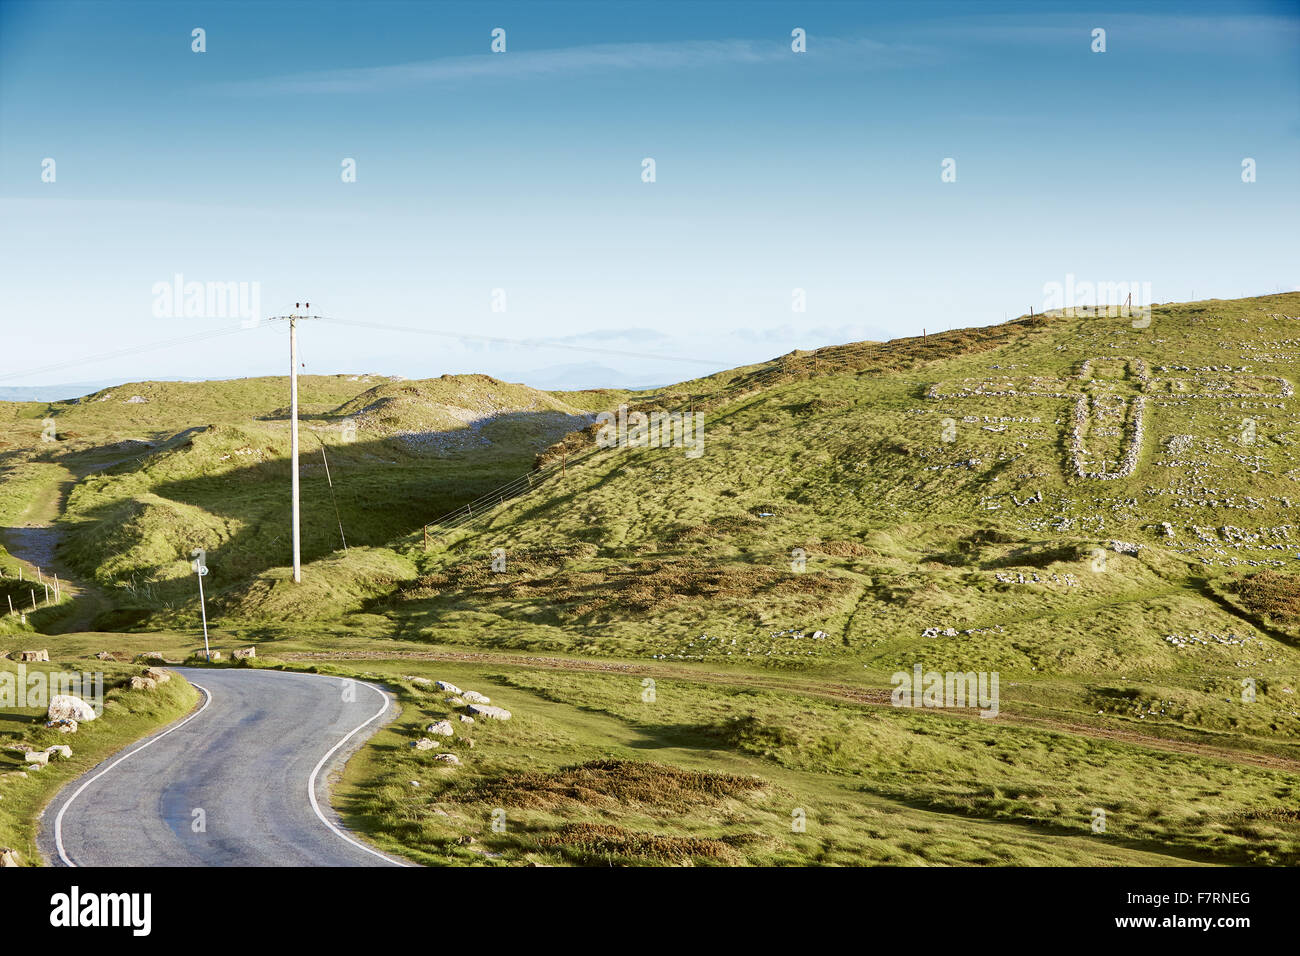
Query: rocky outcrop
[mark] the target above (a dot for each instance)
(68, 707)
(487, 710)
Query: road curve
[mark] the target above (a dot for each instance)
(254, 758)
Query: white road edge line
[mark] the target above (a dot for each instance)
(311, 782)
(58, 820)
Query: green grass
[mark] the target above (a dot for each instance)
(128, 716)
(856, 511)
(204, 465)
(876, 785)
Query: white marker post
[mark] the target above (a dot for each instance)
(200, 565)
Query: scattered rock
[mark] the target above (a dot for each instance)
(105, 656)
(8, 857)
(245, 654)
(63, 750)
(424, 743)
(34, 656)
(141, 683)
(466, 719)
(422, 681)
(449, 688)
(21, 774)
(68, 707)
(158, 675)
(148, 656)
(474, 697)
(63, 726)
(486, 710)
(38, 757)
(442, 728)
(447, 758)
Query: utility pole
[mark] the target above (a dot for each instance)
(293, 429)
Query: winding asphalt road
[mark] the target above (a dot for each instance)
(242, 781)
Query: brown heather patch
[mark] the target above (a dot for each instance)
(840, 549)
(591, 842)
(659, 585)
(647, 587)
(477, 572)
(604, 782)
(1271, 593)
(721, 527)
(1272, 814)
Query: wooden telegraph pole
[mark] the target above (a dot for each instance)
(293, 429)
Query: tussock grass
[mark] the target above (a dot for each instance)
(599, 782)
(594, 843)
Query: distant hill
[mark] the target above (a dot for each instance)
(48, 393)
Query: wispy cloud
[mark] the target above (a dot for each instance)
(605, 57)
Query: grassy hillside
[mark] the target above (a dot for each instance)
(140, 476)
(1098, 511)
(874, 494)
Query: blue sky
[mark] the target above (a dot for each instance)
(521, 171)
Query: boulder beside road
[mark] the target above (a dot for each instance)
(487, 710)
(68, 707)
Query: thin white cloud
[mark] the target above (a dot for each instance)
(606, 57)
